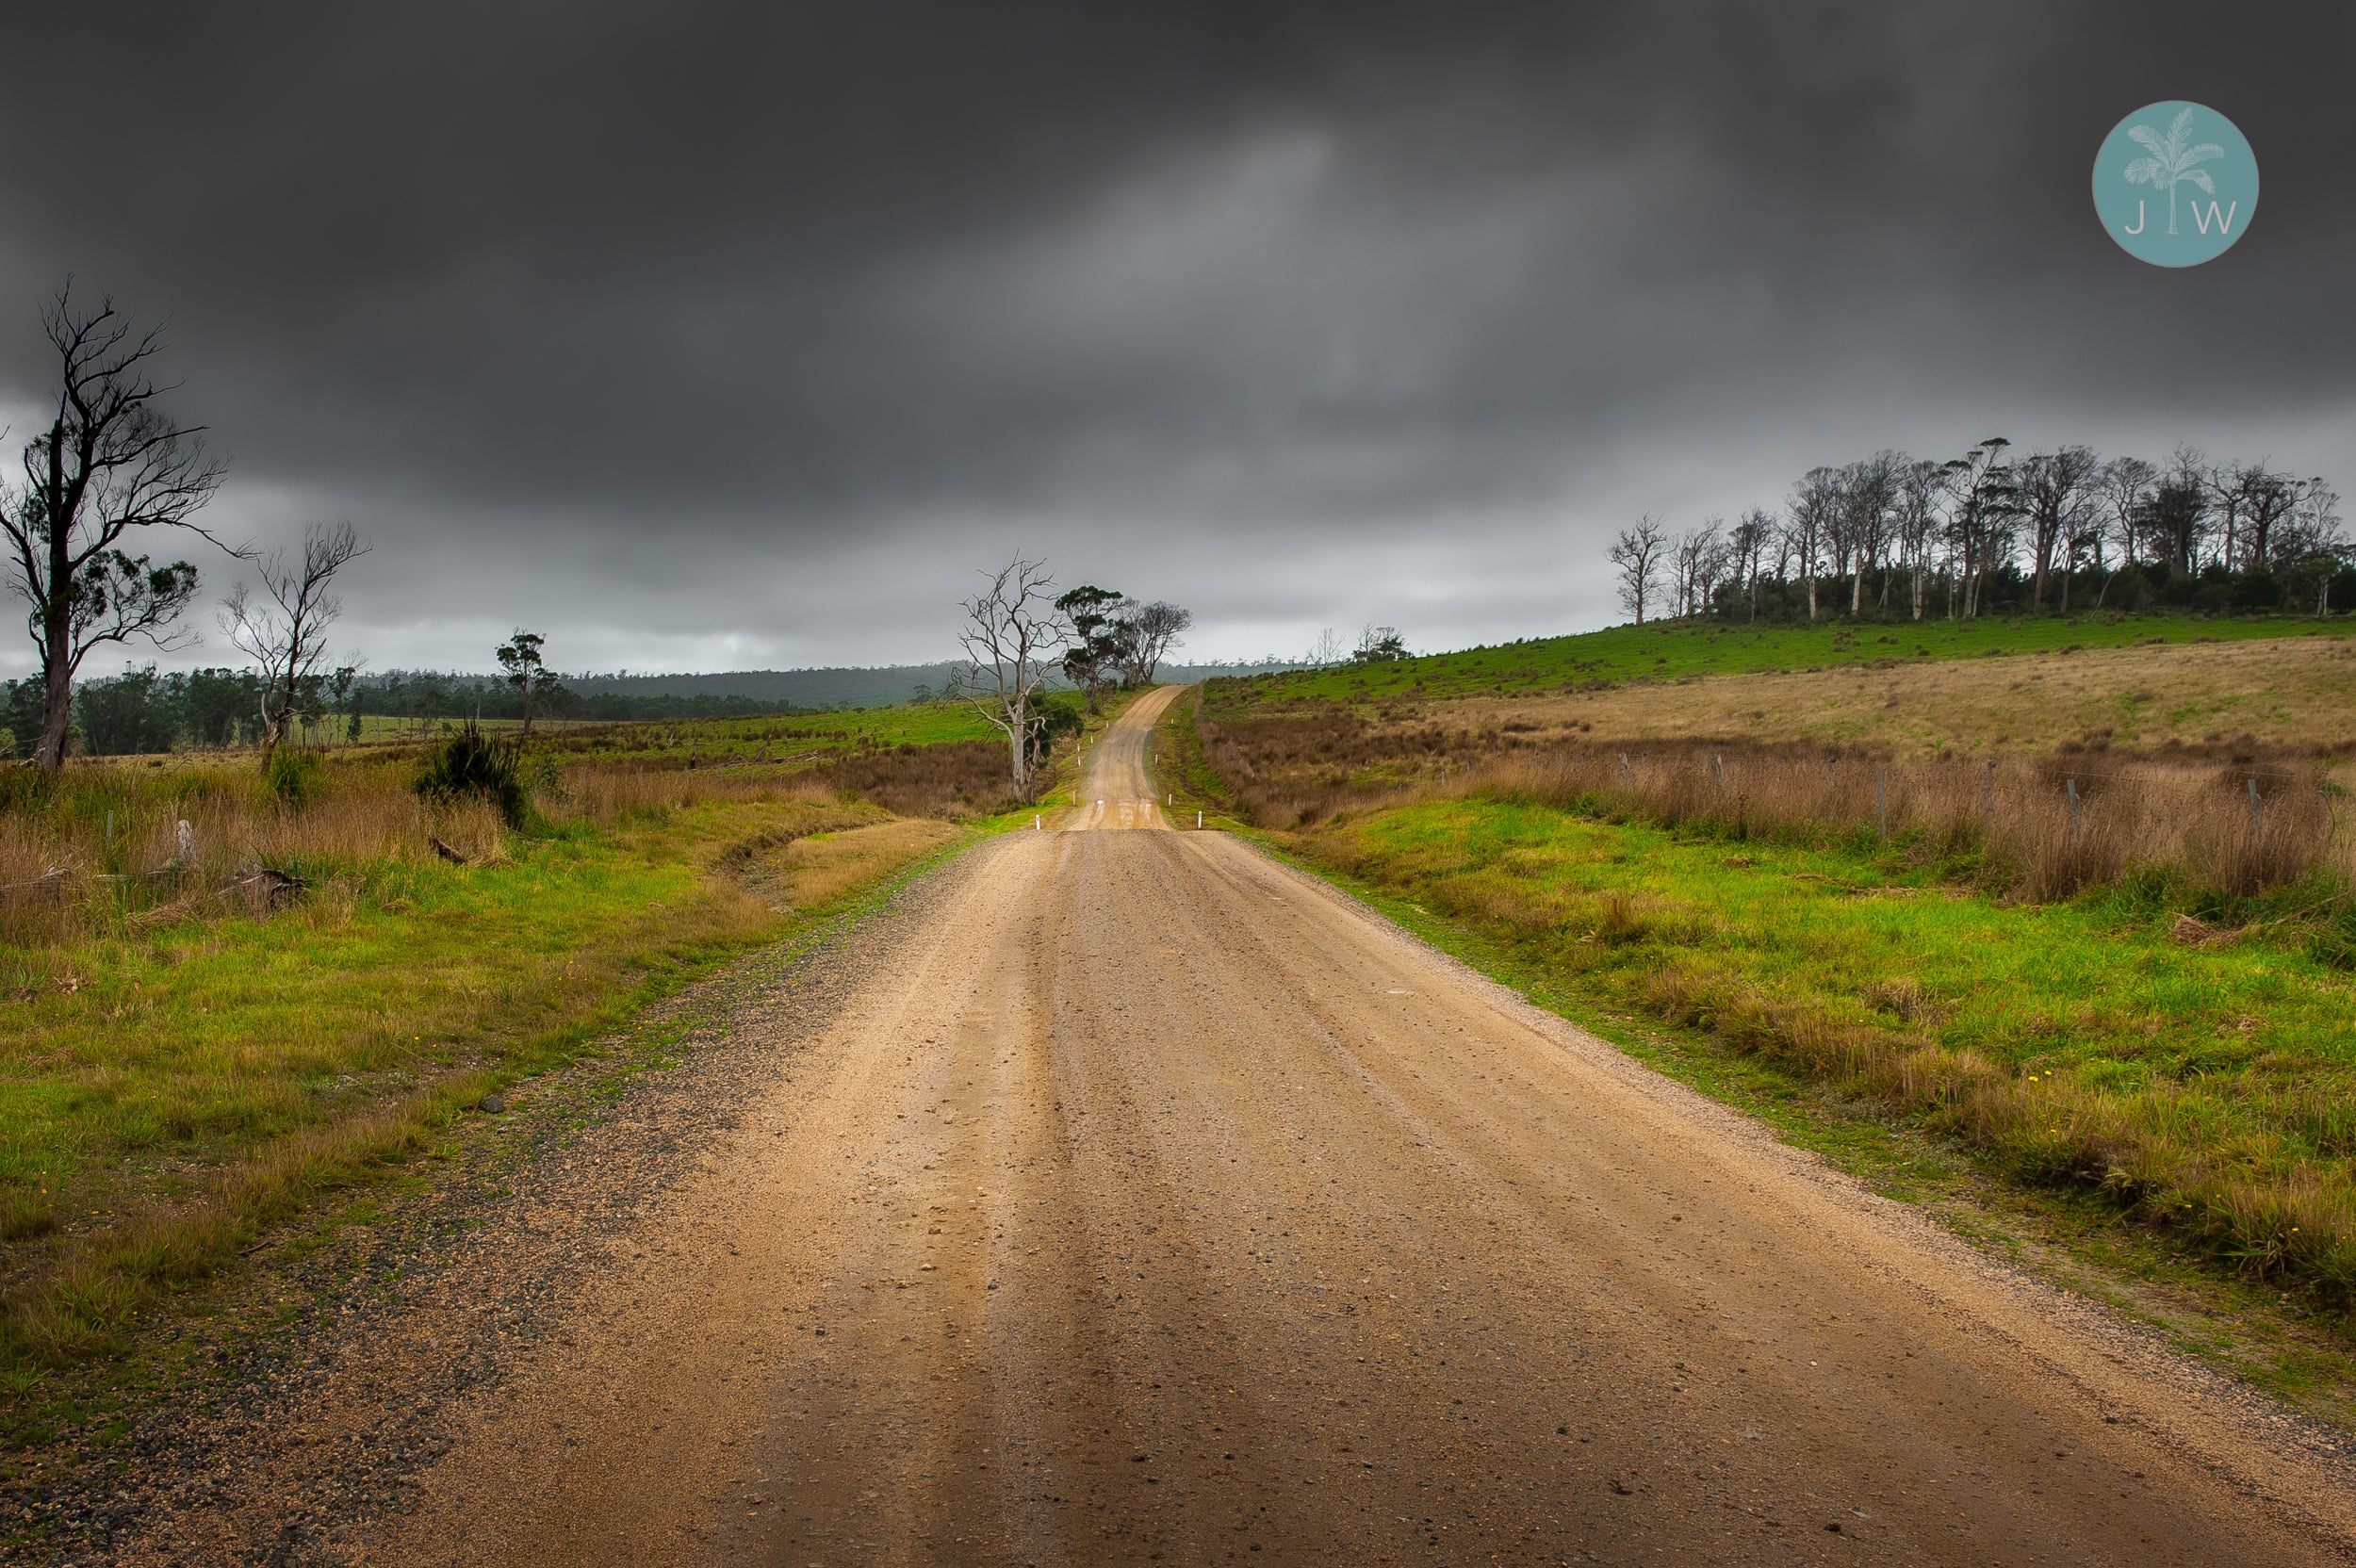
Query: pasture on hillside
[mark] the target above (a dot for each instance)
(1672, 650)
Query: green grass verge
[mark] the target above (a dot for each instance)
(198, 1082)
(41, 1401)
(2283, 1341)
(2210, 1090)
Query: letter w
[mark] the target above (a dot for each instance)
(2224, 224)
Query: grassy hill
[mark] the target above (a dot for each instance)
(1668, 650)
(1992, 687)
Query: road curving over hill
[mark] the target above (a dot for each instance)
(1156, 1202)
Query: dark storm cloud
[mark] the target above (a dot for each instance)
(705, 332)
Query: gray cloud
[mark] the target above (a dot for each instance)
(702, 335)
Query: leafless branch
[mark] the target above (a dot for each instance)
(1012, 631)
(288, 636)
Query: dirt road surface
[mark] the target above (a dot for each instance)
(1157, 1203)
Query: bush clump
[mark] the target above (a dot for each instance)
(471, 765)
(296, 777)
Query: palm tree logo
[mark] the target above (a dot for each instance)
(2173, 160)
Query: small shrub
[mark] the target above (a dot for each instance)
(472, 766)
(296, 777)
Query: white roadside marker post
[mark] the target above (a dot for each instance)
(1198, 819)
(1035, 822)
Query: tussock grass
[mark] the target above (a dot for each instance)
(199, 1033)
(811, 871)
(2230, 823)
(955, 780)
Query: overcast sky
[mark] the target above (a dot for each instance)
(706, 336)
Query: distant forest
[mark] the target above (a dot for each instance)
(144, 711)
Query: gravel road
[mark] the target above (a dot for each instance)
(1134, 1198)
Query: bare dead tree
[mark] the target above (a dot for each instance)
(288, 636)
(1697, 562)
(1012, 637)
(1153, 631)
(110, 464)
(1637, 556)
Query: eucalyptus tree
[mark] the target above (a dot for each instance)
(1696, 565)
(1867, 494)
(1813, 511)
(1097, 633)
(1636, 559)
(1920, 485)
(1151, 631)
(2176, 517)
(2126, 484)
(523, 668)
(2230, 490)
(2261, 500)
(286, 636)
(109, 466)
(2314, 547)
(2056, 491)
(1746, 552)
(1012, 629)
(1984, 502)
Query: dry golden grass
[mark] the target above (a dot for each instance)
(812, 872)
(604, 793)
(103, 848)
(2048, 828)
(2290, 692)
(2041, 826)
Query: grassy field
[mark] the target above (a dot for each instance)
(168, 1088)
(797, 738)
(2290, 693)
(1678, 649)
(2101, 970)
(226, 1001)
(772, 737)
